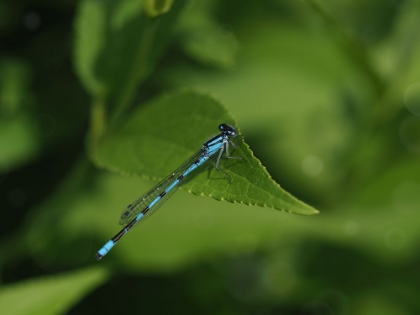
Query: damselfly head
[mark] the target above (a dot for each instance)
(228, 130)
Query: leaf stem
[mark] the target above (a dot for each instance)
(97, 126)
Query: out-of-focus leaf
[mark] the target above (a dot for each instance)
(396, 58)
(19, 141)
(14, 88)
(204, 39)
(214, 46)
(154, 8)
(182, 122)
(51, 294)
(90, 41)
(380, 218)
(117, 46)
(370, 20)
(373, 302)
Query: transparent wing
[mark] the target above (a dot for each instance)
(133, 209)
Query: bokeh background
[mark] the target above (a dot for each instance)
(327, 95)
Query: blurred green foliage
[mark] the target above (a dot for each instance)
(326, 94)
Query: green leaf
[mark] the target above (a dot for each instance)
(19, 136)
(204, 39)
(154, 8)
(213, 46)
(169, 129)
(90, 29)
(18, 142)
(49, 295)
(117, 46)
